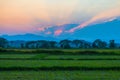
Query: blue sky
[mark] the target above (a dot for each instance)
(33, 16)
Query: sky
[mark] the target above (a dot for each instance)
(34, 16)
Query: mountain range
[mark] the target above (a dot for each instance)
(105, 31)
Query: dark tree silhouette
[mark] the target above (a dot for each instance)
(99, 44)
(22, 45)
(87, 44)
(62, 44)
(112, 44)
(3, 42)
(53, 44)
(77, 43)
(65, 44)
(44, 44)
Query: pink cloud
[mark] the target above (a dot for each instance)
(58, 32)
(41, 29)
(102, 17)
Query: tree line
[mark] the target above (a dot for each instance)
(4, 43)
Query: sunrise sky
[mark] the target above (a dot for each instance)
(33, 16)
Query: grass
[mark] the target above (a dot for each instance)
(60, 64)
(16, 56)
(40, 56)
(57, 57)
(83, 57)
(63, 51)
(60, 75)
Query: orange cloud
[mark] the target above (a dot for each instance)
(104, 16)
(58, 32)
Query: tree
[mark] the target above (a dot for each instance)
(81, 44)
(76, 43)
(52, 44)
(45, 44)
(99, 44)
(103, 44)
(112, 44)
(22, 45)
(30, 44)
(65, 44)
(87, 44)
(3, 42)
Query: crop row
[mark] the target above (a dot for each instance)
(60, 63)
(60, 75)
(57, 57)
(61, 52)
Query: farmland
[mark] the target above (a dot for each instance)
(59, 64)
(60, 75)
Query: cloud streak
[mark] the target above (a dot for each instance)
(104, 16)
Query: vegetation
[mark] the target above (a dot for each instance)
(60, 64)
(60, 75)
(64, 44)
(3, 42)
(64, 60)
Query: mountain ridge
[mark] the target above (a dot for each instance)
(105, 31)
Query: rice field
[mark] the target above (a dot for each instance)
(49, 65)
(60, 75)
(59, 63)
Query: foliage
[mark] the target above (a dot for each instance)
(59, 75)
(59, 64)
(64, 44)
(3, 42)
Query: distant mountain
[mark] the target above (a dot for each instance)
(42, 35)
(27, 37)
(105, 31)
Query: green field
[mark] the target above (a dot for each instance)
(12, 56)
(58, 57)
(60, 64)
(60, 75)
(77, 57)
